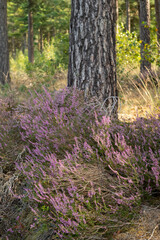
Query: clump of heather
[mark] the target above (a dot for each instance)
(82, 168)
(51, 124)
(143, 135)
(63, 196)
(51, 121)
(129, 151)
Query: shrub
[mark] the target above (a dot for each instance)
(82, 169)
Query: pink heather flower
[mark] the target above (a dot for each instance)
(32, 225)
(10, 230)
(99, 191)
(84, 221)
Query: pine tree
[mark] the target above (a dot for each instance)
(4, 53)
(30, 32)
(145, 65)
(157, 10)
(128, 19)
(92, 61)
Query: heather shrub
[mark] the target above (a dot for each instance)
(129, 151)
(81, 169)
(52, 121)
(65, 198)
(51, 125)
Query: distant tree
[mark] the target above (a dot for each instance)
(49, 18)
(92, 60)
(30, 32)
(128, 19)
(4, 53)
(145, 65)
(157, 9)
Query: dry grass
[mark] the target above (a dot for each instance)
(138, 96)
(147, 227)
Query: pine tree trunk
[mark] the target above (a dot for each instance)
(145, 66)
(13, 48)
(117, 15)
(157, 10)
(4, 52)
(41, 40)
(92, 60)
(30, 34)
(128, 19)
(23, 46)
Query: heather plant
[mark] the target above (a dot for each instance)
(51, 121)
(81, 169)
(134, 152)
(62, 196)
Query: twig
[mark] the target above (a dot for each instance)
(19, 157)
(153, 232)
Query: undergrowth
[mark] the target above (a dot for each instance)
(85, 176)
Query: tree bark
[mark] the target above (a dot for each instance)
(117, 14)
(145, 65)
(41, 40)
(13, 48)
(30, 34)
(128, 19)
(23, 45)
(157, 10)
(4, 52)
(92, 55)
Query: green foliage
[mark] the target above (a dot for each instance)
(128, 48)
(54, 57)
(19, 62)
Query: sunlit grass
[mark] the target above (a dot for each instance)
(136, 95)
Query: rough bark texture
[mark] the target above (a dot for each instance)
(117, 14)
(157, 9)
(4, 53)
(145, 66)
(128, 19)
(92, 62)
(30, 34)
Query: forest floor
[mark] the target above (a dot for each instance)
(145, 227)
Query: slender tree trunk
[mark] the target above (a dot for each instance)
(41, 40)
(117, 14)
(4, 52)
(157, 10)
(128, 19)
(92, 60)
(13, 48)
(30, 34)
(145, 66)
(48, 37)
(24, 43)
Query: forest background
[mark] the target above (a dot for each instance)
(51, 38)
